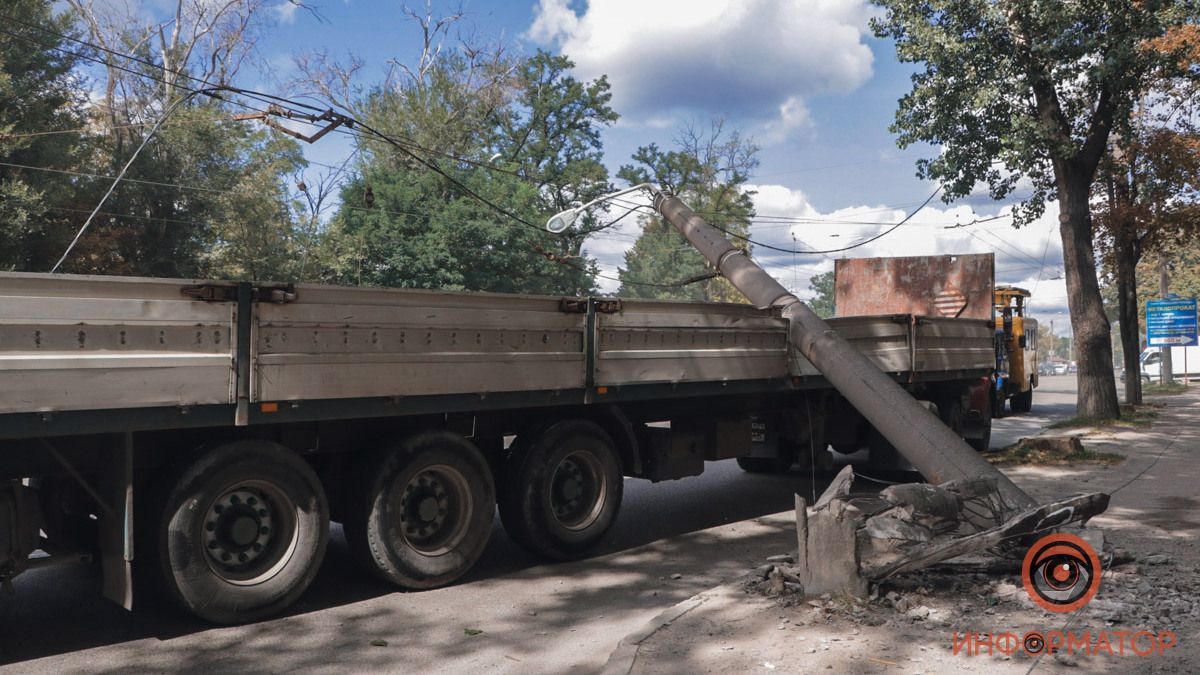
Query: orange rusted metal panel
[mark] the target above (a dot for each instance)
(928, 285)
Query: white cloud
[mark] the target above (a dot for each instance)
(793, 116)
(756, 59)
(285, 12)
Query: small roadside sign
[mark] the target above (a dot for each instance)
(1171, 322)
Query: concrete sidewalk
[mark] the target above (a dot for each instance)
(909, 624)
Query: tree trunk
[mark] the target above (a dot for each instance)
(1126, 254)
(1097, 395)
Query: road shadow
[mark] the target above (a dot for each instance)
(58, 611)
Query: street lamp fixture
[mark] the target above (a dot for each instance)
(562, 220)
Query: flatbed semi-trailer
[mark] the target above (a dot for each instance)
(211, 430)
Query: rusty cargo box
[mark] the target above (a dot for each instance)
(952, 286)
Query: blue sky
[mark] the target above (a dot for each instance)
(804, 78)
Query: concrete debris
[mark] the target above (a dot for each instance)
(845, 541)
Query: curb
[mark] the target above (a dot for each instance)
(621, 661)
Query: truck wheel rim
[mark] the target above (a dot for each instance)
(578, 489)
(249, 532)
(434, 508)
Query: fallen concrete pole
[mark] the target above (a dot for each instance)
(936, 451)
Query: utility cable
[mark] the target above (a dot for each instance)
(166, 113)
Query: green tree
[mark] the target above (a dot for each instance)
(1148, 195)
(1016, 91)
(207, 196)
(481, 136)
(822, 301)
(40, 100)
(709, 172)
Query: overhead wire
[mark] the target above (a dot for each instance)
(272, 99)
(406, 146)
(864, 242)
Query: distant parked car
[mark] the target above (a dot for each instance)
(1046, 369)
(1058, 368)
(1073, 367)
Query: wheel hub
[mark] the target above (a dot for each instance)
(424, 508)
(237, 528)
(576, 491)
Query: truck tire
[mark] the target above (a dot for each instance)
(241, 532)
(421, 514)
(951, 412)
(1022, 402)
(981, 440)
(563, 489)
(884, 458)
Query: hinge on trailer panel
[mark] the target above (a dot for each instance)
(573, 305)
(608, 306)
(579, 305)
(228, 293)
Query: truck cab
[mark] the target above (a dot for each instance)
(1016, 350)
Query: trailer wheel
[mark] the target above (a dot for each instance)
(564, 488)
(421, 514)
(883, 457)
(242, 532)
(982, 439)
(950, 411)
(1022, 402)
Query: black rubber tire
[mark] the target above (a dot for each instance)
(950, 411)
(531, 473)
(1022, 402)
(292, 496)
(377, 509)
(883, 457)
(764, 464)
(982, 442)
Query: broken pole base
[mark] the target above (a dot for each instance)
(827, 559)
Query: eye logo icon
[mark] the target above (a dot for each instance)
(1061, 572)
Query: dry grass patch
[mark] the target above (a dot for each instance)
(1047, 450)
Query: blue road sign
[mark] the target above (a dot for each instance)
(1171, 322)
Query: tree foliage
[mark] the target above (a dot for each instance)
(1018, 93)
(40, 97)
(709, 171)
(822, 301)
(521, 133)
(1148, 195)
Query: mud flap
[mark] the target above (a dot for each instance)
(116, 526)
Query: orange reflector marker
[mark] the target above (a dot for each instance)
(270, 407)
(601, 390)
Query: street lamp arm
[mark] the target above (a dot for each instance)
(564, 219)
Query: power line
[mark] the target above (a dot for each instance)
(403, 146)
(84, 174)
(864, 242)
(107, 193)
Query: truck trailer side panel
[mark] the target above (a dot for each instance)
(87, 343)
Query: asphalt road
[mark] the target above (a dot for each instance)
(534, 617)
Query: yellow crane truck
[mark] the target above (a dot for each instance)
(1016, 352)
